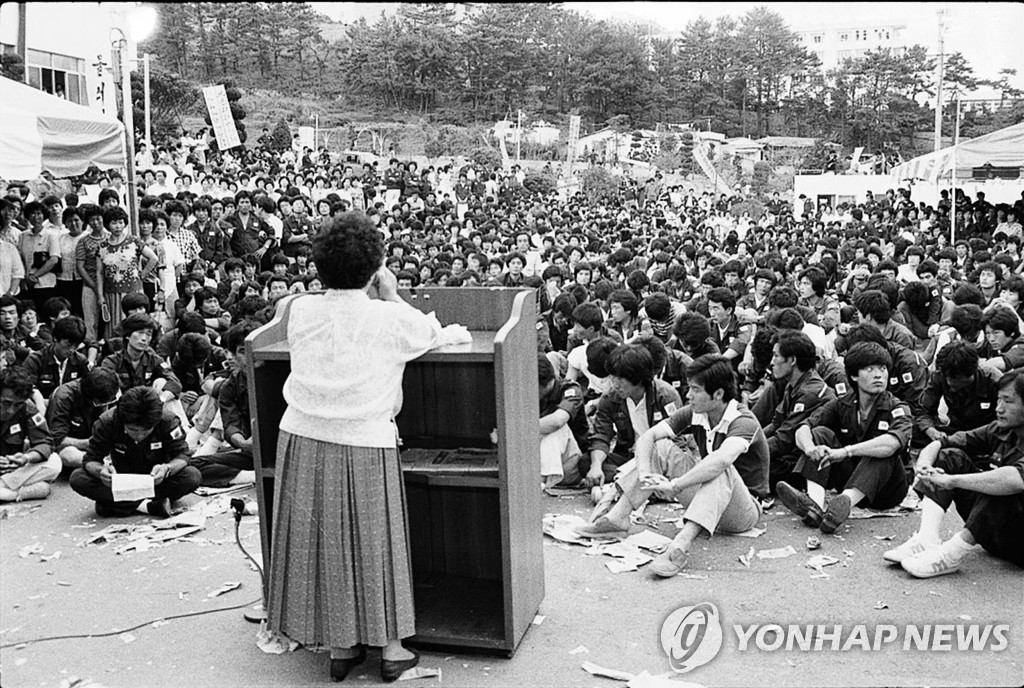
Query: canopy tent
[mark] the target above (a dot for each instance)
(1002, 148)
(41, 132)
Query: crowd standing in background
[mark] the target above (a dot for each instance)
(687, 351)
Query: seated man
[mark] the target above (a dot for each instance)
(793, 362)
(59, 362)
(908, 374)
(201, 369)
(635, 402)
(138, 365)
(233, 463)
(137, 436)
(720, 487)
(563, 426)
(73, 409)
(1003, 349)
(868, 425)
(27, 462)
(990, 499)
(969, 390)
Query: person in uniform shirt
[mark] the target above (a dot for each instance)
(719, 486)
(74, 407)
(727, 333)
(854, 444)
(563, 426)
(793, 361)
(970, 392)
(989, 498)
(136, 364)
(140, 437)
(59, 362)
(634, 402)
(27, 463)
(812, 283)
(1003, 349)
(757, 300)
(232, 462)
(908, 375)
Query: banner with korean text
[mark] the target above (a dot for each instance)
(220, 115)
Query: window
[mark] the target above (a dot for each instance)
(844, 36)
(817, 38)
(52, 72)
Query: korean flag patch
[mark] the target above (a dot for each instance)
(177, 434)
(897, 413)
(570, 393)
(841, 388)
(156, 445)
(670, 408)
(894, 381)
(985, 405)
(908, 377)
(797, 408)
(14, 429)
(882, 425)
(38, 419)
(658, 415)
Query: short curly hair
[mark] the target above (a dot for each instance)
(140, 406)
(19, 381)
(348, 251)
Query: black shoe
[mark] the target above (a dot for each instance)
(390, 670)
(799, 503)
(341, 667)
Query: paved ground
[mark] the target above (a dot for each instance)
(616, 617)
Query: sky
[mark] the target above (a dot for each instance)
(982, 31)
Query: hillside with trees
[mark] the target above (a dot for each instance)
(742, 76)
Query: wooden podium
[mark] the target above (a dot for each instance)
(474, 509)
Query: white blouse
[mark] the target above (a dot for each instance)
(348, 356)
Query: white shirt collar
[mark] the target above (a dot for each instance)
(732, 412)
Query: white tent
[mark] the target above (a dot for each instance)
(1002, 148)
(41, 132)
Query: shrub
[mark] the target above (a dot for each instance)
(540, 182)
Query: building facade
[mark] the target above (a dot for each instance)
(834, 44)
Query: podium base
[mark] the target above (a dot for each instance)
(257, 614)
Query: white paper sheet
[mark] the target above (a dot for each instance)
(130, 487)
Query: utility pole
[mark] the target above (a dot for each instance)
(519, 137)
(22, 47)
(938, 84)
(149, 120)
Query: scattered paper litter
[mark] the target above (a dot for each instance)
(884, 537)
(538, 619)
(649, 540)
(64, 583)
(127, 637)
(75, 682)
(227, 587)
(858, 513)
(881, 605)
(752, 533)
(159, 623)
(566, 491)
(20, 661)
(693, 576)
(745, 558)
(820, 560)
(29, 550)
(581, 650)
(936, 594)
(616, 566)
(419, 672)
(50, 557)
(813, 542)
(272, 642)
(597, 670)
(777, 553)
(561, 528)
(964, 617)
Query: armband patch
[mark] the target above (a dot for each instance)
(985, 405)
(908, 377)
(670, 408)
(177, 434)
(841, 388)
(898, 413)
(797, 408)
(38, 419)
(882, 425)
(14, 429)
(658, 416)
(894, 381)
(571, 392)
(156, 445)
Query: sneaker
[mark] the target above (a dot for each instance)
(934, 561)
(602, 528)
(34, 491)
(908, 549)
(836, 514)
(668, 563)
(799, 503)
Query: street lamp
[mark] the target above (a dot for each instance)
(141, 23)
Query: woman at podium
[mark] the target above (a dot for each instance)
(340, 573)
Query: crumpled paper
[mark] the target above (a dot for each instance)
(272, 642)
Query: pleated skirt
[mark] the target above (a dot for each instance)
(339, 571)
